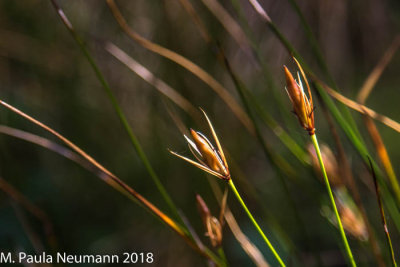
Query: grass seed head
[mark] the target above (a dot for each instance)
(212, 224)
(302, 105)
(209, 158)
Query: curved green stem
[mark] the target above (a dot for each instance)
(278, 258)
(328, 187)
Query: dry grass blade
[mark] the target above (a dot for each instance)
(360, 108)
(46, 143)
(377, 71)
(19, 198)
(383, 154)
(187, 64)
(260, 10)
(230, 25)
(149, 77)
(136, 195)
(382, 212)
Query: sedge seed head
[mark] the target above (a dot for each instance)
(209, 158)
(212, 224)
(302, 105)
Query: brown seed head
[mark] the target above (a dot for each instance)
(208, 153)
(210, 159)
(302, 106)
(213, 225)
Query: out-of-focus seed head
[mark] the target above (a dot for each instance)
(302, 106)
(352, 221)
(330, 162)
(212, 224)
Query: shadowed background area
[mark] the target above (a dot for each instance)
(51, 203)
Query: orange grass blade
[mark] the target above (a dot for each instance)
(383, 154)
(131, 191)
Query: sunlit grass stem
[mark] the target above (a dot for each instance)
(278, 258)
(328, 187)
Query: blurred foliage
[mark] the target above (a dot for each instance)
(43, 72)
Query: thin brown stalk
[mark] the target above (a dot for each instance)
(31, 234)
(36, 211)
(359, 107)
(377, 71)
(382, 212)
(382, 154)
(196, 19)
(187, 64)
(114, 179)
(230, 25)
(149, 77)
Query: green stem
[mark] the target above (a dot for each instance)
(328, 187)
(221, 254)
(278, 258)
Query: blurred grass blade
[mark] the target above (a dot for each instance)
(382, 212)
(187, 64)
(140, 198)
(346, 172)
(362, 150)
(383, 154)
(36, 211)
(118, 109)
(361, 108)
(377, 71)
(149, 77)
(230, 25)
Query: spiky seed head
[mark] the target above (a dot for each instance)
(209, 159)
(302, 106)
(209, 154)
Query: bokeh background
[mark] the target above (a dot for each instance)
(44, 73)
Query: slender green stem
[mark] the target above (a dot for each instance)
(328, 187)
(221, 254)
(278, 258)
